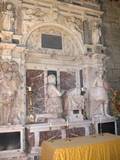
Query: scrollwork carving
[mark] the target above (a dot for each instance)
(74, 23)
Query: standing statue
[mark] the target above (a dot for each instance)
(99, 96)
(9, 83)
(53, 100)
(96, 33)
(73, 105)
(8, 18)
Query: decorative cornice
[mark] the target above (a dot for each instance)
(63, 7)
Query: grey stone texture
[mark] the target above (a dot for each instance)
(111, 38)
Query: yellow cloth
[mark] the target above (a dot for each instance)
(105, 147)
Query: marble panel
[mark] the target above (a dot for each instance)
(67, 80)
(74, 132)
(55, 134)
(35, 79)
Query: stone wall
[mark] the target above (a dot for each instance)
(111, 32)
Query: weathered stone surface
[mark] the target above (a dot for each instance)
(32, 18)
(111, 31)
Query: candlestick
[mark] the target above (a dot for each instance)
(67, 131)
(29, 89)
(100, 119)
(93, 127)
(101, 126)
(50, 126)
(67, 123)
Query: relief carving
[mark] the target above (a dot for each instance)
(38, 14)
(75, 23)
(8, 17)
(30, 14)
(10, 81)
(53, 15)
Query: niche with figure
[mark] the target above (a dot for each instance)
(37, 84)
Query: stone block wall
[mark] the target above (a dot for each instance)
(111, 32)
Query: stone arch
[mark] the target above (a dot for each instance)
(73, 43)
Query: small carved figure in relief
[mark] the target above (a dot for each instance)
(8, 18)
(9, 83)
(51, 16)
(73, 105)
(53, 100)
(96, 33)
(99, 96)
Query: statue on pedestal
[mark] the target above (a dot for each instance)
(8, 18)
(53, 100)
(96, 33)
(99, 96)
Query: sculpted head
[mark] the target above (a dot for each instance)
(51, 79)
(5, 66)
(14, 66)
(9, 7)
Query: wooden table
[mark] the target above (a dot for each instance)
(106, 147)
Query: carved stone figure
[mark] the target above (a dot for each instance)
(53, 100)
(9, 83)
(73, 105)
(51, 16)
(8, 18)
(99, 96)
(96, 33)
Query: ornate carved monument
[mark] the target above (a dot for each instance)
(50, 51)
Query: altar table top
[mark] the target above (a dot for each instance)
(106, 147)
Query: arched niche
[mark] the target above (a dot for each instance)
(72, 44)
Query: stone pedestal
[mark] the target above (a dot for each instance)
(99, 125)
(9, 129)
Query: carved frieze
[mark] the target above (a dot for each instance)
(53, 15)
